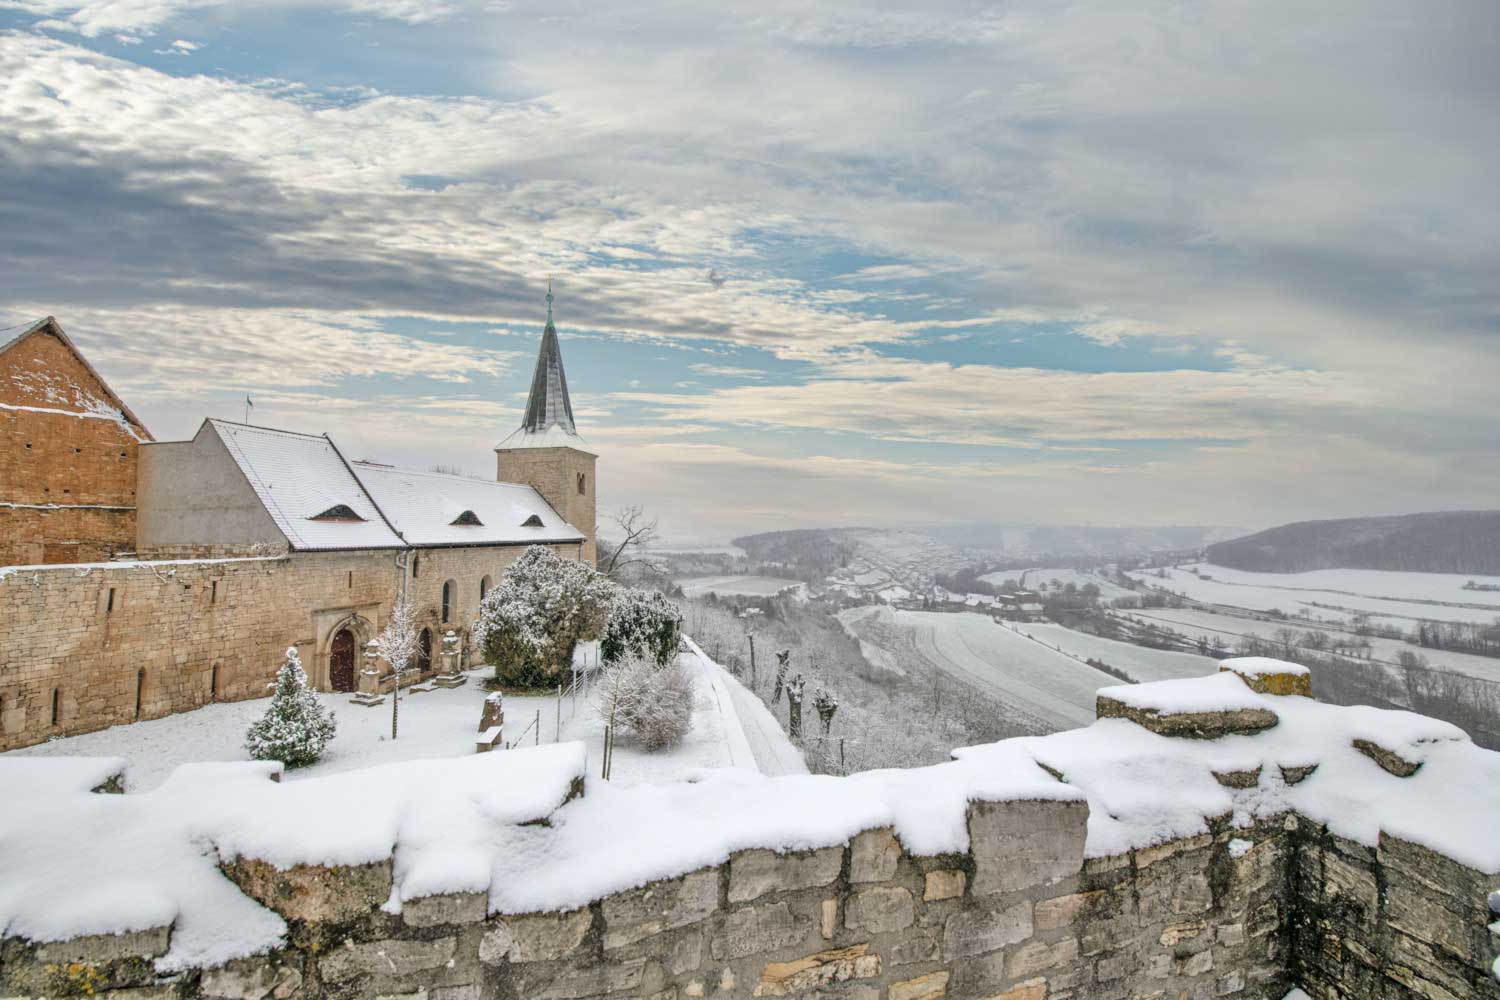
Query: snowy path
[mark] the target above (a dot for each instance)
(770, 749)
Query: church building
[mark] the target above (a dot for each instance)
(248, 540)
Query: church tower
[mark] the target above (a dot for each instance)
(546, 451)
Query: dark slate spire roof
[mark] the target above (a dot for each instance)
(549, 411)
(549, 405)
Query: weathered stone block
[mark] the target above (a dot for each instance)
(1032, 989)
(752, 874)
(1039, 956)
(638, 914)
(543, 937)
(1388, 759)
(566, 981)
(779, 979)
(754, 930)
(391, 958)
(1017, 845)
(251, 979)
(873, 856)
(313, 892)
(982, 928)
(446, 908)
(96, 949)
(928, 987)
(1189, 725)
(880, 910)
(946, 883)
(1062, 911)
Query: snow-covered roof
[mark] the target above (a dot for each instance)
(301, 476)
(432, 508)
(320, 501)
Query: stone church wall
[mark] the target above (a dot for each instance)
(85, 648)
(67, 466)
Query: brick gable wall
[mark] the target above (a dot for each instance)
(67, 459)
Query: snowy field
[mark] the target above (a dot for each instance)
(443, 723)
(1040, 685)
(1395, 597)
(1032, 579)
(738, 586)
(1230, 628)
(1141, 663)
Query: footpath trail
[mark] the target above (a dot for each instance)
(773, 750)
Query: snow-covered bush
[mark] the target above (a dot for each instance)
(541, 609)
(295, 728)
(641, 623)
(653, 704)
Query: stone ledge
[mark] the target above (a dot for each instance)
(311, 892)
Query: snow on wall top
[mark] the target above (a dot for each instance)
(456, 825)
(424, 505)
(299, 476)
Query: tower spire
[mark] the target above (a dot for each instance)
(548, 405)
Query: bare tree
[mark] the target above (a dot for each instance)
(637, 530)
(397, 642)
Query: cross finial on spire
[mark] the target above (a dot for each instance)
(549, 301)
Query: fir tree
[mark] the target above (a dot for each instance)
(295, 728)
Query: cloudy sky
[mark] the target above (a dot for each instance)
(1222, 262)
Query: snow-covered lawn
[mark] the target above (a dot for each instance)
(433, 724)
(738, 586)
(1341, 592)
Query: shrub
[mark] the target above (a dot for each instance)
(295, 728)
(653, 704)
(542, 608)
(641, 623)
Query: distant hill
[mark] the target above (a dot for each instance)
(1442, 542)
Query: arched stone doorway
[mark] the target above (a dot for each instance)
(424, 651)
(341, 657)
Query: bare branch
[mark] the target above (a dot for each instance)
(638, 530)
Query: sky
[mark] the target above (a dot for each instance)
(815, 264)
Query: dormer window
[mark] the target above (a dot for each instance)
(533, 521)
(467, 517)
(338, 512)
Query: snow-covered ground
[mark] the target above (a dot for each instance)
(1040, 685)
(738, 586)
(1140, 662)
(442, 723)
(1395, 597)
(1230, 628)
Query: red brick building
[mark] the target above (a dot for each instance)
(68, 448)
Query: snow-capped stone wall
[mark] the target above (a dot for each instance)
(1108, 862)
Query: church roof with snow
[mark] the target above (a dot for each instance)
(548, 422)
(320, 501)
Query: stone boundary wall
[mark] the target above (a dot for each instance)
(83, 648)
(1021, 916)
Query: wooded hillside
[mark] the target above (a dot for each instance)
(1439, 542)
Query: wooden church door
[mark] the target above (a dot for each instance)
(341, 661)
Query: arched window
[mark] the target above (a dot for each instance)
(582, 484)
(414, 557)
(448, 589)
(484, 586)
(140, 688)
